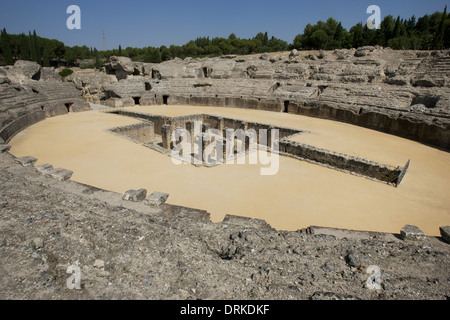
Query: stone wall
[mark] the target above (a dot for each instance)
(142, 132)
(165, 126)
(428, 132)
(404, 93)
(8, 132)
(28, 91)
(343, 162)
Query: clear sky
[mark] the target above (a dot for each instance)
(142, 23)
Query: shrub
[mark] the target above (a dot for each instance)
(65, 72)
(87, 65)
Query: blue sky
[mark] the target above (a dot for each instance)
(142, 23)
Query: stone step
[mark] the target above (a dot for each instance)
(26, 161)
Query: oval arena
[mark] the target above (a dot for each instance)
(362, 157)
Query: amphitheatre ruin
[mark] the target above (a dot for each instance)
(362, 139)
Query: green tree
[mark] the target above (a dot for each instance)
(45, 58)
(438, 40)
(70, 55)
(265, 41)
(24, 47)
(152, 55)
(386, 30)
(6, 48)
(319, 39)
(357, 35)
(33, 47)
(298, 42)
(165, 53)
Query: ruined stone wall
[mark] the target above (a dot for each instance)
(343, 162)
(430, 133)
(157, 120)
(404, 93)
(142, 132)
(18, 125)
(337, 161)
(29, 93)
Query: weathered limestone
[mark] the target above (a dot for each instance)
(347, 163)
(59, 174)
(91, 84)
(156, 199)
(445, 233)
(388, 83)
(166, 133)
(142, 132)
(44, 169)
(4, 148)
(135, 195)
(26, 161)
(26, 97)
(412, 233)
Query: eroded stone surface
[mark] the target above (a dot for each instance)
(445, 233)
(44, 168)
(59, 174)
(412, 233)
(26, 161)
(135, 195)
(173, 253)
(156, 199)
(4, 148)
(346, 85)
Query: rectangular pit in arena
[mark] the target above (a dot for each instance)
(158, 132)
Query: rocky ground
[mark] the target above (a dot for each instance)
(127, 250)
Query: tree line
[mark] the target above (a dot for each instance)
(430, 32)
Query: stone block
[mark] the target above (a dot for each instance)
(45, 168)
(59, 174)
(412, 233)
(156, 199)
(4, 148)
(26, 161)
(445, 233)
(135, 195)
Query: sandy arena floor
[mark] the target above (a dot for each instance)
(300, 195)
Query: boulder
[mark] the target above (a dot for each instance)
(412, 233)
(28, 69)
(20, 72)
(135, 195)
(293, 54)
(321, 54)
(59, 174)
(357, 260)
(445, 233)
(26, 161)
(4, 148)
(91, 84)
(156, 199)
(265, 56)
(45, 168)
(123, 67)
(50, 74)
(364, 51)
